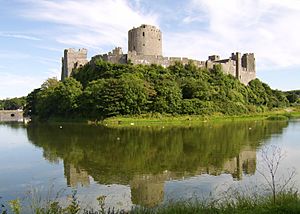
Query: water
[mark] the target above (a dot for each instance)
(139, 166)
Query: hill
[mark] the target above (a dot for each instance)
(101, 89)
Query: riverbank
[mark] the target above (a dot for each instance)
(164, 120)
(192, 120)
(287, 202)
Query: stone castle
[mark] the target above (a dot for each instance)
(145, 47)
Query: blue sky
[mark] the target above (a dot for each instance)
(33, 34)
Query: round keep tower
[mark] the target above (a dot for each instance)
(145, 40)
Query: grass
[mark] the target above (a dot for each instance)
(188, 120)
(287, 202)
(157, 119)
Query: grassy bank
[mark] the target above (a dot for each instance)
(188, 120)
(288, 202)
(156, 119)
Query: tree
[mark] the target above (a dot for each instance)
(13, 103)
(109, 97)
(67, 95)
(46, 104)
(31, 102)
(272, 157)
(292, 97)
(168, 98)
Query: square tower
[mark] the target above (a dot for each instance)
(72, 59)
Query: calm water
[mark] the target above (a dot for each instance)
(139, 166)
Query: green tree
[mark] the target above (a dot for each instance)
(109, 97)
(13, 103)
(292, 97)
(67, 94)
(31, 102)
(168, 98)
(47, 101)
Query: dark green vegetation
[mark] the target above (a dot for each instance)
(101, 89)
(13, 103)
(293, 96)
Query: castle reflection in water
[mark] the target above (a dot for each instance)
(145, 160)
(148, 190)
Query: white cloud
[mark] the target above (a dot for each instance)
(89, 23)
(269, 28)
(13, 55)
(14, 85)
(18, 36)
(54, 72)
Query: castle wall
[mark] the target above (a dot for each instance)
(145, 40)
(160, 60)
(72, 59)
(246, 76)
(11, 115)
(116, 56)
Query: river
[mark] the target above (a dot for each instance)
(140, 166)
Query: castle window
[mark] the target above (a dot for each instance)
(143, 33)
(143, 44)
(133, 47)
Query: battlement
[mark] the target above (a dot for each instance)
(74, 51)
(147, 27)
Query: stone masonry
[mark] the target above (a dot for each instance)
(72, 59)
(145, 47)
(145, 40)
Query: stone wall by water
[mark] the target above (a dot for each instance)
(11, 115)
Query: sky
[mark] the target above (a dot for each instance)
(34, 33)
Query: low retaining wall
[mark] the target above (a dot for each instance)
(11, 115)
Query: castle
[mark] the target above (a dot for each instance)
(145, 47)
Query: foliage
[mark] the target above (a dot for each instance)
(73, 207)
(288, 202)
(15, 206)
(13, 103)
(293, 96)
(31, 100)
(101, 89)
(54, 98)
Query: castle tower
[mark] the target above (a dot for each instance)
(238, 64)
(145, 40)
(72, 59)
(248, 62)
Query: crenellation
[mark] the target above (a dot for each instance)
(145, 47)
(214, 58)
